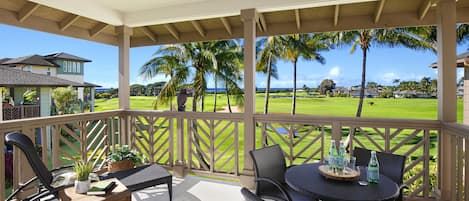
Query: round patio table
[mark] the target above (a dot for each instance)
(307, 180)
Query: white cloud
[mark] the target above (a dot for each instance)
(334, 72)
(106, 84)
(387, 78)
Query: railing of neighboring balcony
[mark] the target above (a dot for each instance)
(21, 112)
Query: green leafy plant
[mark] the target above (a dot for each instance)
(124, 152)
(83, 170)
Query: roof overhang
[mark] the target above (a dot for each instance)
(156, 22)
(150, 12)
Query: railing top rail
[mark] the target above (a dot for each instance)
(60, 119)
(352, 121)
(456, 129)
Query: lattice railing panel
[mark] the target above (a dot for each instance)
(301, 143)
(213, 145)
(414, 143)
(153, 136)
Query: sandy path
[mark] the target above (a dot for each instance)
(234, 109)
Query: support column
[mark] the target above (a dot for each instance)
(45, 101)
(80, 95)
(124, 34)
(446, 35)
(45, 105)
(92, 99)
(249, 18)
(466, 96)
(179, 168)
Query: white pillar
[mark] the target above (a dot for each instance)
(92, 99)
(124, 34)
(45, 105)
(446, 34)
(249, 18)
(45, 101)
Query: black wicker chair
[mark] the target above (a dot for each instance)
(43, 175)
(270, 167)
(390, 165)
(249, 196)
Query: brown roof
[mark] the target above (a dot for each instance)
(462, 60)
(63, 55)
(31, 60)
(13, 77)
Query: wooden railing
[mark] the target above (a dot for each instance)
(21, 112)
(212, 144)
(458, 172)
(88, 136)
(302, 139)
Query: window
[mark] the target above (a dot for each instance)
(48, 71)
(71, 67)
(27, 68)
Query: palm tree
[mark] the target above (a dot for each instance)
(365, 39)
(230, 65)
(228, 68)
(202, 56)
(304, 46)
(268, 55)
(172, 66)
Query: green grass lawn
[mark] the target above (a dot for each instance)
(381, 108)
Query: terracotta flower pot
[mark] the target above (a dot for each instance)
(120, 165)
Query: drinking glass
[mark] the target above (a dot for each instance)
(351, 163)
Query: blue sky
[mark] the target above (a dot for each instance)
(384, 64)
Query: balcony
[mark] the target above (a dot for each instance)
(20, 112)
(213, 144)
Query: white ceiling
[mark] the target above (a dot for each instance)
(134, 13)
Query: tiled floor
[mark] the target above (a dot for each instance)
(192, 188)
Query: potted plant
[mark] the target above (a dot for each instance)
(123, 158)
(83, 170)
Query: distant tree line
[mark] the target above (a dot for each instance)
(152, 89)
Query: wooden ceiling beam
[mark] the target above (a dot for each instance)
(263, 22)
(68, 21)
(198, 27)
(27, 10)
(424, 9)
(298, 19)
(98, 29)
(172, 30)
(41, 24)
(227, 25)
(149, 33)
(336, 15)
(379, 10)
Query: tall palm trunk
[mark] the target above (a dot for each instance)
(228, 97)
(362, 87)
(267, 89)
(171, 98)
(293, 109)
(360, 101)
(215, 99)
(195, 97)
